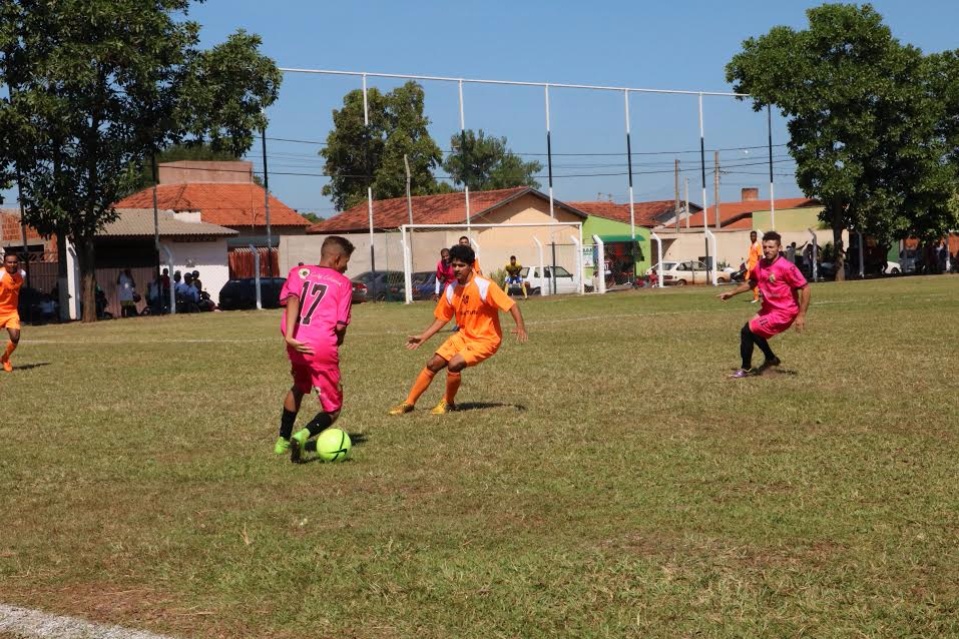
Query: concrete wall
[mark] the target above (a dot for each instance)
(788, 220)
(189, 171)
(209, 258)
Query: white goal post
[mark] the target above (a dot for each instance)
(549, 247)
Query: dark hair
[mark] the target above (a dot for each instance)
(463, 253)
(14, 255)
(340, 242)
(464, 237)
(512, 257)
(772, 236)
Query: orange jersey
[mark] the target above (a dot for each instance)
(476, 306)
(10, 291)
(755, 254)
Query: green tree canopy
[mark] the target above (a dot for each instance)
(864, 120)
(483, 162)
(98, 85)
(358, 156)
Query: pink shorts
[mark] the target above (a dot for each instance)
(766, 325)
(320, 373)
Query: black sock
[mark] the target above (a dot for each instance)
(747, 339)
(321, 422)
(286, 423)
(764, 347)
(310, 446)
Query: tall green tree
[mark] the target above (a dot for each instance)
(359, 155)
(482, 162)
(98, 85)
(863, 119)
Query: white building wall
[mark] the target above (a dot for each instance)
(210, 258)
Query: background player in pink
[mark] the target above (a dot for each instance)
(785, 295)
(317, 300)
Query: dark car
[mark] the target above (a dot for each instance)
(240, 294)
(424, 285)
(386, 286)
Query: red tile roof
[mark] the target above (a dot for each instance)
(738, 215)
(447, 208)
(646, 213)
(231, 205)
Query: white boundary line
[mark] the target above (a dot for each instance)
(24, 622)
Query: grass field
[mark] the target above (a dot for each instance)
(606, 481)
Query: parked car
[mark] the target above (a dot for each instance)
(387, 286)
(893, 268)
(359, 292)
(691, 272)
(659, 267)
(565, 282)
(424, 285)
(240, 294)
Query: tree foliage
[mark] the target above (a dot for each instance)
(98, 85)
(359, 155)
(864, 118)
(482, 162)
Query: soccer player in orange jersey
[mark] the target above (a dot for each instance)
(11, 280)
(465, 241)
(475, 302)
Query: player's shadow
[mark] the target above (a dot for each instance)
(486, 405)
(26, 367)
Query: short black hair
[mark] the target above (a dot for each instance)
(512, 257)
(464, 254)
(464, 237)
(772, 236)
(341, 243)
(13, 255)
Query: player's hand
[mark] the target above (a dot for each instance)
(800, 323)
(521, 335)
(724, 296)
(413, 342)
(299, 346)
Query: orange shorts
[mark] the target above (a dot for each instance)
(10, 321)
(473, 351)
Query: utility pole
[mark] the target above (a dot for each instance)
(687, 203)
(716, 185)
(676, 208)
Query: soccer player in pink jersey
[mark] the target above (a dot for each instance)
(317, 300)
(785, 296)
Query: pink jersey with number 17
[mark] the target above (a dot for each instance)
(325, 297)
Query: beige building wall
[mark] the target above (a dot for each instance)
(193, 171)
(495, 245)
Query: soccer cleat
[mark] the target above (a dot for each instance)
(401, 409)
(7, 366)
(740, 374)
(442, 408)
(282, 446)
(298, 445)
(769, 363)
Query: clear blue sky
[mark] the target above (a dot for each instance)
(683, 44)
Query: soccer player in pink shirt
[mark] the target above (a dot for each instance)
(317, 300)
(785, 295)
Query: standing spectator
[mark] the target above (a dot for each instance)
(126, 289)
(791, 253)
(807, 258)
(444, 273)
(197, 284)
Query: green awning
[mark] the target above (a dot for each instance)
(623, 238)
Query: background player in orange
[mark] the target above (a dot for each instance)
(465, 241)
(11, 280)
(475, 302)
(755, 254)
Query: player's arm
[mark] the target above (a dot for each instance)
(748, 285)
(804, 296)
(520, 331)
(292, 320)
(415, 341)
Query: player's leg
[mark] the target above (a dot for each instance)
(291, 407)
(326, 380)
(453, 380)
(13, 331)
(435, 364)
(747, 341)
(522, 286)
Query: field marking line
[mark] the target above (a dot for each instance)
(25, 622)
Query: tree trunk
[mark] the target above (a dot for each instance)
(839, 260)
(86, 256)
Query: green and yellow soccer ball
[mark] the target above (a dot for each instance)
(333, 445)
